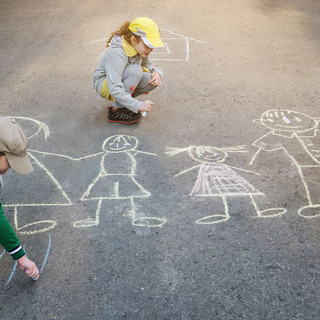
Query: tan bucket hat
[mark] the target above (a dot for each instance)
(14, 144)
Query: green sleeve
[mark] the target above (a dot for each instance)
(8, 238)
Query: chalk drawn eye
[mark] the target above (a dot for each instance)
(286, 120)
(298, 119)
(127, 144)
(270, 120)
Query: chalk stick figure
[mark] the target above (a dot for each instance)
(117, 181)
(45, 190)
(216, 179)
(294, 133)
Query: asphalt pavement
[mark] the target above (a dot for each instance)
(209, 207)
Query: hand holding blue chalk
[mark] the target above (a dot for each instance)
(144, 113)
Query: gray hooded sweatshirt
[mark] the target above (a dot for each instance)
(112, 65)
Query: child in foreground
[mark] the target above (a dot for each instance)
(13, 154)
(125, 71)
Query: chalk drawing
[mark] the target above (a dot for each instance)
(294, 133)
(116, 181)
(173, 42)
(216, 179)
(14, 268)
(45, 177)
(176, 47)
(13, 271)
(47, 255)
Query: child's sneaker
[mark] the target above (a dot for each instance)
(123, 115)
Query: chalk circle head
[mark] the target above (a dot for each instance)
(120, 143)
(14, 144)
(287, 120)
(32, 127)
(207, 154)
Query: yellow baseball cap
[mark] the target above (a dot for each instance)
(14, 144)
(148, 30)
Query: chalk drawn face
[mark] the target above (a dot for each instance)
(286, 120)
(120, 143)
(207, 154)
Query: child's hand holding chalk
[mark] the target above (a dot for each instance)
(145, 107)
(29, 267)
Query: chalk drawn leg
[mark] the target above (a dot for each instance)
(267, 213)
(311, 185)
(149, 222)
(13, 269)
(143, 221)
(34, 227)
(216, 218)
(90, 222)
(309, 212)
(47, 254)
(12, 273)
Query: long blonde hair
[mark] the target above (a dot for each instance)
(123, 31)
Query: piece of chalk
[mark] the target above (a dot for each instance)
(144, 113)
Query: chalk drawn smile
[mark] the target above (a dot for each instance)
(118, 149)
(213, 157)
(119, 144)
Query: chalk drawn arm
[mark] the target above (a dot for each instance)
(311, 166)
(267, 143)
(187, 170)
(313, 135)
(254, 156)
(65, 156)
(248, 171)
(144, 152)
